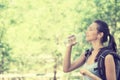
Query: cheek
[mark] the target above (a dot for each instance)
(91, 36)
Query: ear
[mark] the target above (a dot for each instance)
(100, 35)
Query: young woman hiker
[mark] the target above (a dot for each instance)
(97, 34)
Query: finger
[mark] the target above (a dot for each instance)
(71, 36)
(75, 43)
(71, 39)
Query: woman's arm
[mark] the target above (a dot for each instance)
(88, 73)
(68, 66)
(110, 68)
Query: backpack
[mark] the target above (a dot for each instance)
(100, 58)
(101, 63)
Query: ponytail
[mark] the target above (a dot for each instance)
(112, 43)
(103, 27)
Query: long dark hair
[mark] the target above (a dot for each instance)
(103, 27)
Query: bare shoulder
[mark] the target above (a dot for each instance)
(109, 59)
(110, 67)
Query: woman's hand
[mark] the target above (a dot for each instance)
(71, 40)
(84, 71)
(88, 73)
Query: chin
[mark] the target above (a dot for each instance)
(88, 40)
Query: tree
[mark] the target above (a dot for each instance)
(5, 56)
(108, 10)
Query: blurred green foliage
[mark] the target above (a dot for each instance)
(35, 30)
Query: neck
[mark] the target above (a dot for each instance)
(97, 45)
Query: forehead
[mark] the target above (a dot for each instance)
(93, 26)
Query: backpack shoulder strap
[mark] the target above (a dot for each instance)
(88, 52)
(101, 62)
(104, 53)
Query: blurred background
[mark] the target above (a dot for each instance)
(33, 32)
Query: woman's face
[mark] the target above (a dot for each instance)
(92, 32)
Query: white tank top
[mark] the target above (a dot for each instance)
(90, 68)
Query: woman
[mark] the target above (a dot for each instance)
(97, 34)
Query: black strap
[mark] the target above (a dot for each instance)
(101, 51)
(88, 52)
(101, 62)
